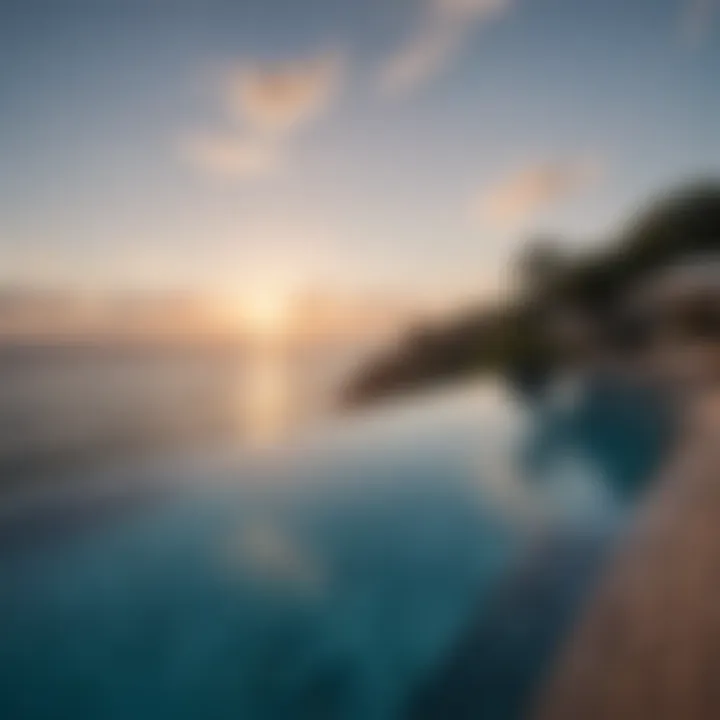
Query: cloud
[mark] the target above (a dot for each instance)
(264, 106)
(532, 189)
(697, 20)
(277, 99)
(440, 35)
(232, 155)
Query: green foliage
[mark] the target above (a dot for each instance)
(682, 224)
(514, 339)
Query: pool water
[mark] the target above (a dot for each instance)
(420, 561)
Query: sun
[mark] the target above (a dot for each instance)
(265, 313)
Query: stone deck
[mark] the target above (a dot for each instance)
(648, 644)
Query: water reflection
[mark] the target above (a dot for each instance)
(615, 425)
(68, 410)
(266, 397)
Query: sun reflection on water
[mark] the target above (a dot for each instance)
(266, 395)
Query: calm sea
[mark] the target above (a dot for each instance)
(65, 410)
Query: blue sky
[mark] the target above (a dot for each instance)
(362, 144)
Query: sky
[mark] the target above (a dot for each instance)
(356, 145)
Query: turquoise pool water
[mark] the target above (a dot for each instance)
(421, 561)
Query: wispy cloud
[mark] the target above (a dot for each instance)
(523, 194)
(263, 105)
(442, 30)
(281, 98)
(232, 155)
(697, 20)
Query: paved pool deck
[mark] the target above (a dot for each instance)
(648, 643)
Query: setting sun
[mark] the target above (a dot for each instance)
(265, 313)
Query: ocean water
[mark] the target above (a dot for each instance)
(68, 409)
(422, 560)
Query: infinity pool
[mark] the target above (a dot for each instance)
(419, 561)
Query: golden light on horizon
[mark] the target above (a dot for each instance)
(265, 312)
